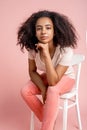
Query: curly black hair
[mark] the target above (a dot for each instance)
(65, 33)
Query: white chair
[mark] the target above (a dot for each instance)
(76, 61)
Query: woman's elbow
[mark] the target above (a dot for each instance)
(53, 83)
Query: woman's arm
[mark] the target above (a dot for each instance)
(53, 74)
(36, 78)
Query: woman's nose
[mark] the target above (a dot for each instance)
(43, 30)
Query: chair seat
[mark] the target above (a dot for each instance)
(69, 94)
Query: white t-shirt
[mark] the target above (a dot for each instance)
(62, 58)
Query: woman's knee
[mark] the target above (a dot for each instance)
(52, 90)
(26, 89)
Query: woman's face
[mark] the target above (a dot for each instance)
(44, 30)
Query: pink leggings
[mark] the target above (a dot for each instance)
(47, 112)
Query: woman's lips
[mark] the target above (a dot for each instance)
(44, 37)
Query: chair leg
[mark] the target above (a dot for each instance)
(32, 121)
(65, 115)
(78, 114)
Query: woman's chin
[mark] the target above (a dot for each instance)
(43, 41)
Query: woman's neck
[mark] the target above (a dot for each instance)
(52, 49)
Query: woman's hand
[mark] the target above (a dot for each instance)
(44, 49)
(44, 95)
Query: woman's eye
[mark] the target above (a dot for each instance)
(38, 29)
(48, 28)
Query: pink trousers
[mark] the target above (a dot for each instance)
(47, 112)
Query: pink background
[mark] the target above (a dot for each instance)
(14, 113)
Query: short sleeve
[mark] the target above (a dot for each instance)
(31, 54)
(66, 56)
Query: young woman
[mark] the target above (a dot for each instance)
(49, 38)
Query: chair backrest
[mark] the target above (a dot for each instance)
(77, 60)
